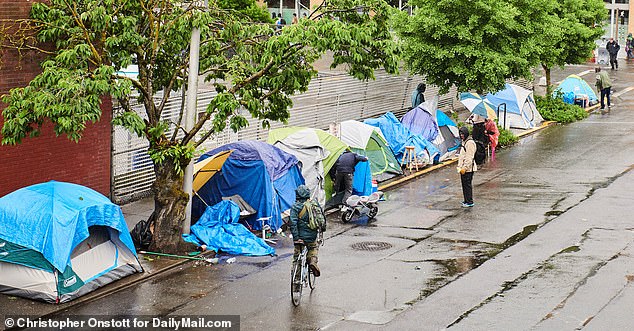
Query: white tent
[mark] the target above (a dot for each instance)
(521, 111)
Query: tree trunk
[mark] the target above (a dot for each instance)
(169, 210)
(549, 88)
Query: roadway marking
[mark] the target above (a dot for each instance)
(584, 73)
(623, 91)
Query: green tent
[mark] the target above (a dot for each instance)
(368, 140)
(317, 150)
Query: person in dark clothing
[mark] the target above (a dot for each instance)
(479, 133)
(603, 85)
(418, 95)
(302, 233)
(344, 173)
(466, 166)
(613, 49)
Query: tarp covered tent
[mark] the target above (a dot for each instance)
(317, 150)
(218, 228)
(264, 176)
(59, 241)
(420, 120)
(369, 141)
(574, 86)
(521, 111)
(398, 136)
(448, 141)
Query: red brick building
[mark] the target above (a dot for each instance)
(48, 157)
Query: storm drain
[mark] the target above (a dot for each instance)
(371, 246)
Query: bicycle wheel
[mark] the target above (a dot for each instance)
(311, 279)
(296, 285)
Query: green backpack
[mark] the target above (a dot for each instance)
(316, 216)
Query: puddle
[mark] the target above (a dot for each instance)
(517, 237)
(570, 249)
(553, 213)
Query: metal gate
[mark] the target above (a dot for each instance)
(330, 98)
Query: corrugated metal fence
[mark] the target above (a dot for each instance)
(330, 98)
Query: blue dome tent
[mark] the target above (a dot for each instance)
(264, 176)
(59, 241)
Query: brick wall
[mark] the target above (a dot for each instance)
(48, 157)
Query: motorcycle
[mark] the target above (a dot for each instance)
(360, 206)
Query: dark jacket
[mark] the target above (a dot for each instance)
(299, 225)
(613, 48)
(347, 161)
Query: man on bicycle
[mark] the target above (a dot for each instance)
(302, 233)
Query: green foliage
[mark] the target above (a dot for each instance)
(555, 109)
(248, 8)
(570, 35)
(254, 68)
(470, 44)
(506, 138)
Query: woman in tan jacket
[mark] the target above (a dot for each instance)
(467, 166)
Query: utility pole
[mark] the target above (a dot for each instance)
(190, 117)
(616, 30)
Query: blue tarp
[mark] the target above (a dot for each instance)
(218, 228)
(420, 121)
(362, 180)
(53, 218)
(399, 136)
(576, 85)
(451, 141)
(443, 119)
(263, 175)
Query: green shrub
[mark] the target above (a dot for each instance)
(506, 137)
(555, 109)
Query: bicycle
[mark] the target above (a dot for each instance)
(301, 277)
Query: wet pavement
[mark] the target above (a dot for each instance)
(548, 246)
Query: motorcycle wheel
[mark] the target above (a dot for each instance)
(346, 216)
(373, 211)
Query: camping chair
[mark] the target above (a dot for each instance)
(246, 210)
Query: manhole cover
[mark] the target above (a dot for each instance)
(371, 246)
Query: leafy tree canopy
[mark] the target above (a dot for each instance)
(472, 44)
(251, 65)
(570, 37)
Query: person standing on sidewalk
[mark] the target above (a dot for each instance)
(613, 49)
(604, 85)
(467, 166)
(493, 133)
(418, 96)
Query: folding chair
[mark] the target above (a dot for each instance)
(246, 210)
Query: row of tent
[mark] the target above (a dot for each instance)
(59, 241)
(265, 175)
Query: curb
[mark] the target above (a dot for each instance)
(118, 286)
